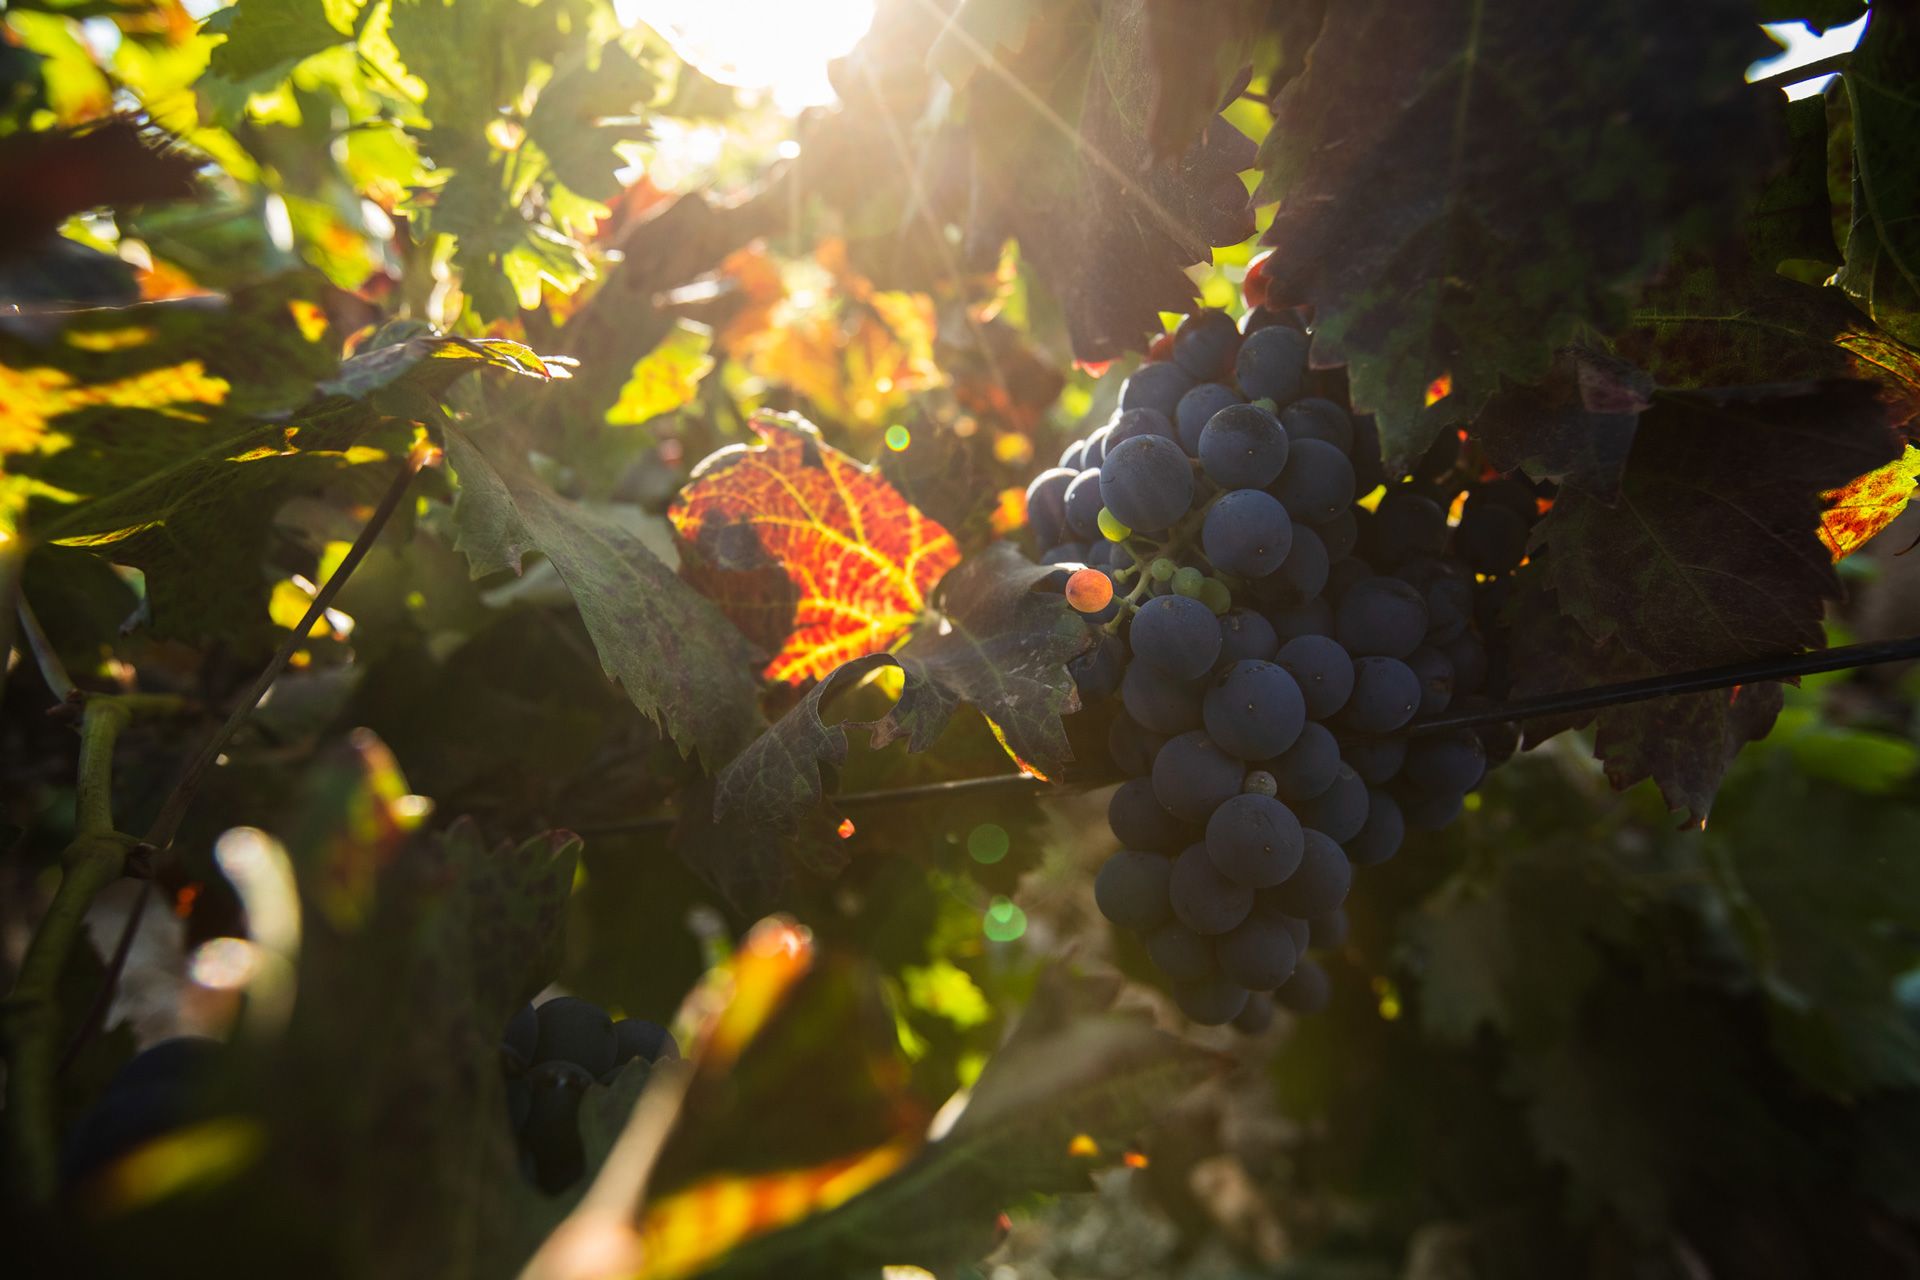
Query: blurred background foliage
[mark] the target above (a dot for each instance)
(1566, 1038)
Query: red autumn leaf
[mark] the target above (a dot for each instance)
(815, 557)
(1864, 506)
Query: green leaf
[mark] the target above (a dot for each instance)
(1820, 14)
(167, 435)
(678, 658)
(1000, 647)
(1718, 323)
(1102, 1076)
(1639, 1108)
(1713, 553)
(1170, 63)
(1882, 271)
(1830, 930)
(1518, 955)
(266, 38)
(1792, 216)
(1575, 427)
(1685, 743)
(1523, 169)
(566, 123)
(423, 946)
(978, 34)
(1057, 165)
(666, 378)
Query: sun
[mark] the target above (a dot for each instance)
(779, 46)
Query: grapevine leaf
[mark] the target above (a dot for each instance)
(815, 557)
(1862, 507)
(428, 944)
(1575, 427)
(1820, 14)
(1720, 323)
(1713, 552)
(778, 775)
(266, 38)
(1685, 743)
(582, 112)
(1882, 271)
(1519, 955)
(666, 378)
(57, 174)
(793, 1099)
(167, 435)
(1638, 1107)
(979, 34)
(1000, 647)
(1829, 936)
(1515, 179)
(1792, 215)
(1057, 165)
(1063, 1097)
(1717, 324)
(679, 660)
(1170, 63)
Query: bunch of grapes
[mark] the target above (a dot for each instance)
(1269, 642)
(551, 1053)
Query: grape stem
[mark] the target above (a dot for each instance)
(1569, 702)
(186, 786)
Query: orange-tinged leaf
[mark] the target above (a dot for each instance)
(683, 1231)
(815, 557)
(667, 377)
(1864, 506)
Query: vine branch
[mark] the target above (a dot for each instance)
(173, 809)
(94, 859)
(1593, 698)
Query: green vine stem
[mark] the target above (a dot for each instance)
(94, 859)
(186, 786)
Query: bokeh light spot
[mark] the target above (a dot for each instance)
(988, 843)
(1004, 922)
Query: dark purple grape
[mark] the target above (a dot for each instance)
(1204, 900)
(1307, 991)
(1212, 1002)
(1206, 343)
(1308, 767)
(1323, 670)
(1246, 636)
(1318, 419)
(1191, 776)
(1197, 408)
(1132, 889)
(1139, 821)
(1259, 954)
(1254, 840)
(1047, 505)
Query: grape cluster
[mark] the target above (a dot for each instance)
(1269, 641)
(551, 1053)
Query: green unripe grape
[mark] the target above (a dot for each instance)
(1214, 595)
(1267, 403)
(1260, 783)
(1111, 529)
(1188, 581)
(1162, 569)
